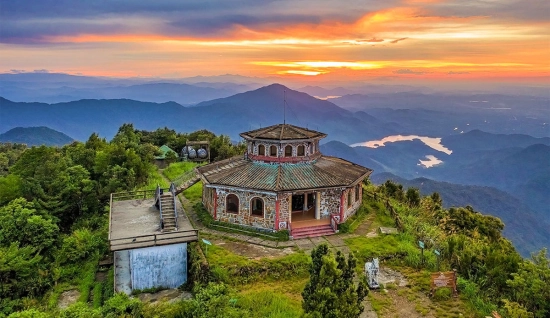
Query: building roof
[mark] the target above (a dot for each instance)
(282, 132)
(325, 172)
(164, 150)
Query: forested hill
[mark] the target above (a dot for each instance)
(35, 136)
(54, 227)
(522, 227)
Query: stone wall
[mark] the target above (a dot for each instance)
(284, 210)
(244, 217)
(350, 210)
(330, 202)
(208, 199)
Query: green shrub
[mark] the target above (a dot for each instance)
(30, 313)
(442, 294)
(120, 305)
(80, 310)
(98, 295)
(177, 169)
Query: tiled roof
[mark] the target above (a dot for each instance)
(323, 172)
(282, 132)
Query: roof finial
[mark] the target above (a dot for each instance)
(284, 106)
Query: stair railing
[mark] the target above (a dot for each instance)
(157, 198)
(173, 190)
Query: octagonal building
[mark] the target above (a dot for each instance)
(283, 182)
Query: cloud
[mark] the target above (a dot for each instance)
(398, 40)
(41, 71)
(457, 73)
(17, 71)
(373, 39)
(408, 71)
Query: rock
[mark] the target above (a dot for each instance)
(68, 298)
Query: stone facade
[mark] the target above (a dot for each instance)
(244, 216)
(351, 193)
(330, 202)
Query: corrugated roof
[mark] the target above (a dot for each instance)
(244, 173)
(164, 149)
(282, 132)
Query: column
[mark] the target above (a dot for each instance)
(290, 208)
(305, 202)
(318, 205)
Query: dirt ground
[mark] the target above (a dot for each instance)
(252, 251)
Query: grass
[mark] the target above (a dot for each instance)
(367, 248)
(176, 169)
(279, 298)
(153, 179)
(194, 193)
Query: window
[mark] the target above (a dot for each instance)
(301, 150)
(257, 207)
(357, 192)
(288, 151)
(232, 204)
(261, 150)
(349, 198)
(273, 151)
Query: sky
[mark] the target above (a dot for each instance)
(313, 40)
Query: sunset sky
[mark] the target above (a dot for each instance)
(330, 40)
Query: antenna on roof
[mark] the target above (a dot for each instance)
(284, 107)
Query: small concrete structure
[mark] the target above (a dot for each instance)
(387, 230)
(145, 255)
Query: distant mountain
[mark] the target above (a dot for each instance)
(324, 92)
(231, 115)
(440, 115)
(528, 232)
(36, 136)
(476, 140)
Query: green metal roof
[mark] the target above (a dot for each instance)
(164, 149)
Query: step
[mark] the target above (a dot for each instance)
(303, 235)
(312, 228)
(312, 231)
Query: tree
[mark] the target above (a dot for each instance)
(531, 284)
(413, 197)
(330, 291)
(20, 222)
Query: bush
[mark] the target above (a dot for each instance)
(442, 294)
(120, 305)
(79, 310)
(30, 313)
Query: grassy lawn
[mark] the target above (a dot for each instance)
(194, 193)
(176, 169)
(153, 179)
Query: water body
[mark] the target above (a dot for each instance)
(432, 161)
(432, 142)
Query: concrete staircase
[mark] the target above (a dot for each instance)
(168, 212)
(312, 231)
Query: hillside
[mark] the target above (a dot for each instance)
(528, 233)
(36, 136)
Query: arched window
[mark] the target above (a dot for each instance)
(232, 204)
(288, 151)
(257, 207)
(273, 151)
(357, 192)
(301, 150)
(261, 150)
(349, 198)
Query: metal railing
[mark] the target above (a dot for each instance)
(173, 191)
(158, 193)
(154, 239)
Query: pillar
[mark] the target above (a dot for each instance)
(318, 205)
(305, 202)
(290, 208)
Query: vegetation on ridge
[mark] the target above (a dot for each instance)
(53, 231)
